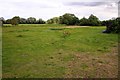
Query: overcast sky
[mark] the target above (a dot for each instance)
(46, 9)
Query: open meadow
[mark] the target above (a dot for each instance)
(53, 51)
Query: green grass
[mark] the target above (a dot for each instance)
(36, 25)
(38, 51)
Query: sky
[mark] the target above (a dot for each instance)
(46, 9)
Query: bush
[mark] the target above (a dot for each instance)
(112, 25)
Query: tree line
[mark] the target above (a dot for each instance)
(17, 20)
(67, 18)
(112, 25)
(71, 19)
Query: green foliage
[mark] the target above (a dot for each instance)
(84, 22)
(8, 21)
(23, 21)
(112, 25)
(31, 20)
(91, 21)
(50, 21)
(2, 19)
(40, 21)
(15, 20)
(54, 20)
(69, 19)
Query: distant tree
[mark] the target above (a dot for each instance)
(50, 21)
(103, 23)
(112, 25)
(31, 20)
(93, 20)
(84, 22)
(23, 21)
(15, 20)
(69, 19)
(40, 21)
(8, 21)
(54, 20)
(2, 19)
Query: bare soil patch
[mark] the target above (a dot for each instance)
(88, 66)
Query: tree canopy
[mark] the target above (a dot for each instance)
(15, 20)
(112, 25)
(69, 19)
(31, 20)
(54, 20)
(91, 21)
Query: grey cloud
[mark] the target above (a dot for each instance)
(90, 4)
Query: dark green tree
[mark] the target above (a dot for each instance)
(84, 22)
(31, 20)
(40, 21)
(69, 19)
(112, 25)
(50, 21)
(8, 21)
(93, 20)
(15, 20)
(23, 21)
(54, 20)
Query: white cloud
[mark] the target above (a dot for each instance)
(46, 9)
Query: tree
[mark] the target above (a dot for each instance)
(23, 21)
(84, 22)
(93, 20)
(8, 21)
(40, 21)
(50, 21)
(2, 19)
(103, 23)
(31, 20)
(15, 20)
(54, 20)
(69, 19)
(112, 25)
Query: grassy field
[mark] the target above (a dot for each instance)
(52, 51)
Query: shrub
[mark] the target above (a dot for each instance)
(113, 25)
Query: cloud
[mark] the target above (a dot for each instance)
(91, 4)
(46, 9)
(30, 5)
(119, 9)
(86, 3)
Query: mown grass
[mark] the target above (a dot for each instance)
(37, 51)
(36, 25)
